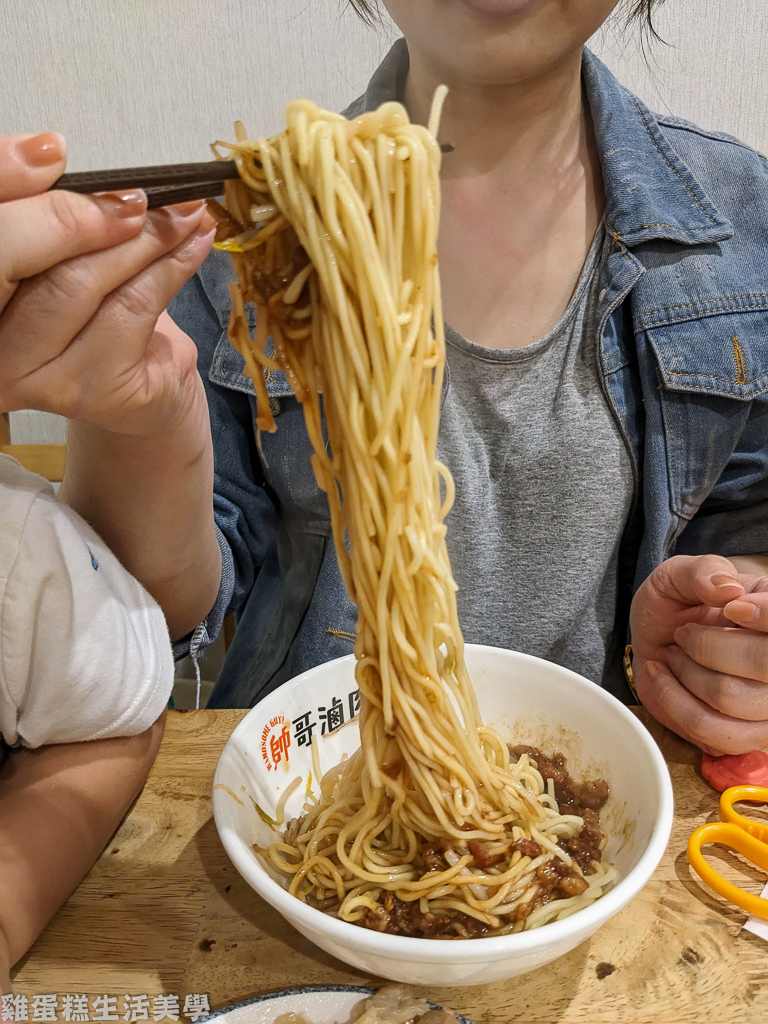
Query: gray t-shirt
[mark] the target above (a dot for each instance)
(544, 494)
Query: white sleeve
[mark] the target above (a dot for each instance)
(84, 650)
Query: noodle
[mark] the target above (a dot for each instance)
(333, 234)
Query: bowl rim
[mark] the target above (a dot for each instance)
(485, 948)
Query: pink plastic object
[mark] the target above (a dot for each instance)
(735, 770)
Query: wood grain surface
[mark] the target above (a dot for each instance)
(46, 459)
(165, 912)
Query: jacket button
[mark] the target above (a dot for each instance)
(274, 406)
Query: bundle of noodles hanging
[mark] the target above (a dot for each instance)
(429, 828)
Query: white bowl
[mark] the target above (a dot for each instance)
(528, 701)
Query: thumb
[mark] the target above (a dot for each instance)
(704, 579)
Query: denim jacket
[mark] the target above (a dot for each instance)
(683, 359)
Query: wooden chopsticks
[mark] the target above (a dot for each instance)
(164, 184)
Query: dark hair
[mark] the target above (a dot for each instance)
(642, 10)
(638, 10)
(367, 9)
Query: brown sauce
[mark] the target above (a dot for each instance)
(584, 799)
(554, 879)
(399, 918)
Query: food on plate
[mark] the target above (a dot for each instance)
(432, 828)
(393, 1004)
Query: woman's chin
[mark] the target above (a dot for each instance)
(499, 8)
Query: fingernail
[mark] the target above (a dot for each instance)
(681, 634)
(43, 150)
(721, 579)
(653, 669)
(180, 212)
(742, 611)
(204, 232)
(186, 209)
(208, 222)
(122, 204)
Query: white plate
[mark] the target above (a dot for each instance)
(326, 1004)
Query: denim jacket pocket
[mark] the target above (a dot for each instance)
(228, 370)
(286, 454)
(228, 366)
(711, 372)
(723, 355)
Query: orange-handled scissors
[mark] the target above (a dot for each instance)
(744, 835)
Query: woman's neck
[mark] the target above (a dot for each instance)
(504, 132)
(522, 197)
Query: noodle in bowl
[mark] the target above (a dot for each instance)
(429, 829)
(526, 700)
(417, 824)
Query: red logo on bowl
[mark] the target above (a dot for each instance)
(275, 741)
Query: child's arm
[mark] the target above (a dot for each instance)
(86, 670)
(59, 805)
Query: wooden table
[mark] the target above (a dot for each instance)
(165, 912)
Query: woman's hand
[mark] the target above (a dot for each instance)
(700, 641)
(83, 283)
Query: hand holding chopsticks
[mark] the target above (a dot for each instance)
(84, 281)
(164, 185)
